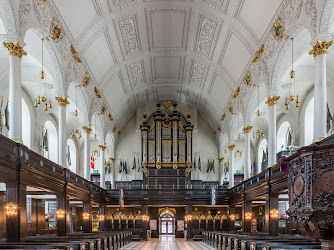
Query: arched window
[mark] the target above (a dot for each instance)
(282, 136)
(309, 123)
(52, 145)
(262, 154)
(25, 124)
(71, 156)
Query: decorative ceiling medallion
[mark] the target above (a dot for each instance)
(219, 128)
(298, 185)
(75, 54)
(258, 54)
(230, 109)
(223, 117)
(114, 129)
(97, 93)
(56, 31)
(279, 29)
(85, 80)
(236, 93)
(248, 79)
(103, 109)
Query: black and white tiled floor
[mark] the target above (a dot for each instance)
(168, 243)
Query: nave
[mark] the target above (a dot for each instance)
(167, 243)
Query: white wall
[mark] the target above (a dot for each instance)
(126, 148)
(207, 145)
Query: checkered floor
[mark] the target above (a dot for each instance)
(168, 243)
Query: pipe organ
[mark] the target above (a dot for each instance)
(166, 147)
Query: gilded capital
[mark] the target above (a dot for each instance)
(221, 159)
(62, 101)
(247, 129)
(320, 48)
(112, 159)
(231, 147)
(15, 49)
(102, 147)
(87, 129)
(272, 100)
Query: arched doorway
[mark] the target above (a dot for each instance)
(167, 221)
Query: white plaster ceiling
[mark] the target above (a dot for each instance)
(194, 51)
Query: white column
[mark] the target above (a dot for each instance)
(221, 170)
(272, 101)
(87, 130)
(102, 167)
(62, 103)
(15, 102)
(319, 52)
(247, 170)
(231, 167)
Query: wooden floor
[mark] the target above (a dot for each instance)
(168, 243)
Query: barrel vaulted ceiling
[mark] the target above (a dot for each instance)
(194, 51)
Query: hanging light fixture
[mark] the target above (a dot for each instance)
(95, 127)
(292, 97)
(41, 97)
(258, 100)
(238, 128)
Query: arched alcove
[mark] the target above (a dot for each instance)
(261, 154)
(52, 137)
(282, 136)
(71, 156)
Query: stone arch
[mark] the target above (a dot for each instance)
(294, 32)
(7, 16)
(40, 32)
(327, 17)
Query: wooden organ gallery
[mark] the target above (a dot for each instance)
(181, 124)
(167, 147)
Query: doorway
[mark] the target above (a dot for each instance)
(167, 222)
(167, 226)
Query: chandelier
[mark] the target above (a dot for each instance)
(258, 134)
(291, 97)
(75, 113)
(41, 97)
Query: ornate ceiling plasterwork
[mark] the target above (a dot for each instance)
(185, 58)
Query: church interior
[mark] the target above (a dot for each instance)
(166, 124)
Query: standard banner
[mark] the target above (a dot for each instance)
(213, 196)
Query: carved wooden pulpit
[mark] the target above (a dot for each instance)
(311, 190)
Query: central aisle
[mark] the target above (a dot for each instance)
(168, 243)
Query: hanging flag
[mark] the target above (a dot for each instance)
(329, 119)
(284, 167)
(208, 167)
(253, 167)
(134, 166)
(92, 162)
(125, 168)
(120, 166)
(7, 115)
(139, 168)
(213, 165)
(68, 156)
(290, 138)
(263, 156)
(106, 167)
(199, 163)
(195, 167)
